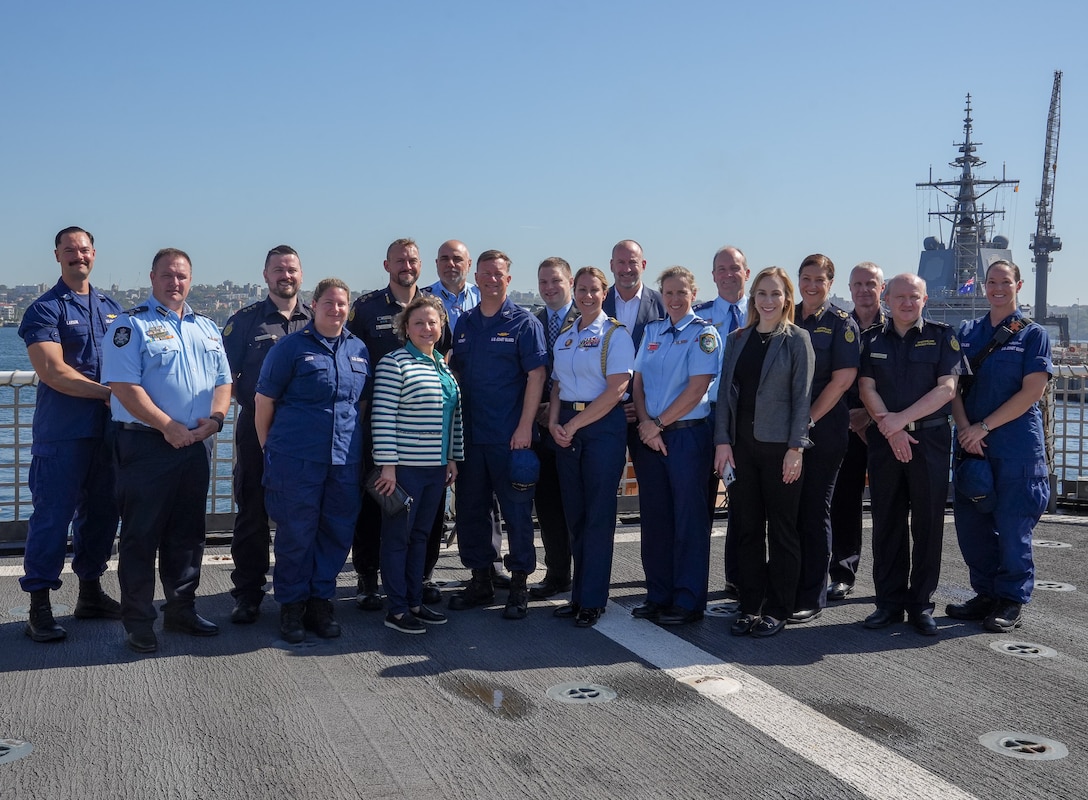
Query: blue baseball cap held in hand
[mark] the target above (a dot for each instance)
(524, 469)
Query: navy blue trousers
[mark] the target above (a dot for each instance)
(404, 537)
(315, 506)
(997, 546)
(485, 471)
(589, 475)
(846, 512)
(71, 483)
(162, 494)
(675, 522)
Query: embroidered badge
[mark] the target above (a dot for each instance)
(955, 344)
(228, 329)
(849, 336)
(708, 342)
(121, 336)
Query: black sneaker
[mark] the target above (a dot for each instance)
(1005, 617)
(407, 623)
(429, 615)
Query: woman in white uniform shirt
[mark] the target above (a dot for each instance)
(593, 362)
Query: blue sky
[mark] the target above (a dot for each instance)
(540, 129)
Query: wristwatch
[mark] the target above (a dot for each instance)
(657, 421)
(218, 420)
(982, 424)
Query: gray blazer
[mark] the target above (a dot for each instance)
(783, 396)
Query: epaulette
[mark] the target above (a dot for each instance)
(701, 306)
(616, 323)
(839, 312)
(569, 324)
(250, 308)
(936, 322)
(367, 296)
(137, 309)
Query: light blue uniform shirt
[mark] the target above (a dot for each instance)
(577, 359)
(717, 313)
(177, 360)
(456, 304)
(670, 355)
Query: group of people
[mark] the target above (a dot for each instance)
(412, 390)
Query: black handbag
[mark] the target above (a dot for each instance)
(391, 504)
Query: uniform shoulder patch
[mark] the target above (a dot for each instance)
(122, 335)
(849, 335)
(708, 342)
(955, 343)
(228, 330)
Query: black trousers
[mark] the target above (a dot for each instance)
(763, 520)
(548, 503)
(846, 512)
(906, 576)
(251, 538)
(162, 495)
(821, 467)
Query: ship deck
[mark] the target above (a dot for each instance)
(469, 710)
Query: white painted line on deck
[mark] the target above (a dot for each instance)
(872, 769)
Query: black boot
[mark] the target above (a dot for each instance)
(517, 602)
(93, 603)
(368, 598)
(291, 628)
(319, 619)
(41, 627)
(479, 591)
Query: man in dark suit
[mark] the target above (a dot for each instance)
(634, 304)
(555, 283)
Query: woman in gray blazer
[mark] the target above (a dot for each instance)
(760, 434)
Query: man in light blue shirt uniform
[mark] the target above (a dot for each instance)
(727, 312)
(458, 296)
(171, 384)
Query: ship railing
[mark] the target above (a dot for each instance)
(18, 389)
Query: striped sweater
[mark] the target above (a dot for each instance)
(407, 414)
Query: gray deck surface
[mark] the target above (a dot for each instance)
(825, 710)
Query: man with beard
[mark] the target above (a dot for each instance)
(247, 338)
(371, 320)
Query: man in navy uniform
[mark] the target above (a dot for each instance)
(727, 312)
(909, 372)
(500, 359)
(866, 289)
(247, 338)
(170, 379)
(71, 472)
(555, 284)
(371, 320)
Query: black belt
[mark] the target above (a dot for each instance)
(922, 424)
(574, 405)
(684, 423)
(137, 426)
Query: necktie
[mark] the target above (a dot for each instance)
(553, 329)
(734, 317)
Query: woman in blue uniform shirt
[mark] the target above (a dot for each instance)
(676, 361)
(761, 433)
(999, 418)
(592, 365)
(307, 421)
(417, 443)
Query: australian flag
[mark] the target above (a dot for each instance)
(968, 287)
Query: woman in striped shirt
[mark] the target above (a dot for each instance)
(417, 442)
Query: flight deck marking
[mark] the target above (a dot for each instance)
(876, 771)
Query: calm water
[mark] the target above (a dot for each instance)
(12, 350)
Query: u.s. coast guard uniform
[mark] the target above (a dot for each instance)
(247, 338)
(590, 469)
(997, 545)
(492, 357)
(313, 457)
(908, 498)
(672, 488)
(71, 470)
(162, 491)
(836, 342)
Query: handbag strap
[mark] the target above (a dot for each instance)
(1000, 337)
